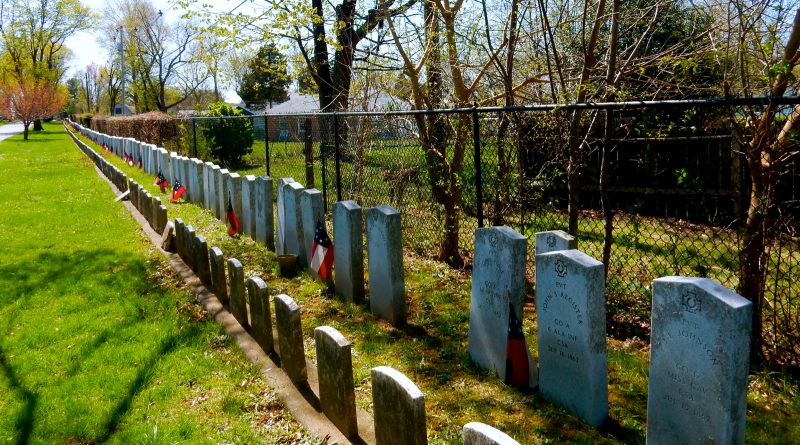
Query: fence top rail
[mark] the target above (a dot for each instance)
(627, 105)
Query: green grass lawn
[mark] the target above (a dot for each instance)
(99, 341)
(432, 351)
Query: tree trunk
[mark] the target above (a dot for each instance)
(37, 125)
(605, 163)
(25, 130)
(753, 259)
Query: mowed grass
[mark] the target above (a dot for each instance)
(99, 341)
(432, 351)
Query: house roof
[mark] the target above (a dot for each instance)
(297, 103)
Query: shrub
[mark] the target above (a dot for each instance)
(228, 139)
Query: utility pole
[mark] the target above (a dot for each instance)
(123, 110)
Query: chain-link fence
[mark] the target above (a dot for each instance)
(655, 189)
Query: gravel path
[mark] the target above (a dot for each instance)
(8, 130)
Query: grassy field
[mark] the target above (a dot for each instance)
(432, 351)
(99, 341)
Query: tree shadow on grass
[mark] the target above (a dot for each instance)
(25, 418)
(106, 276)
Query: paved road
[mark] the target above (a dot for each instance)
(8, 130)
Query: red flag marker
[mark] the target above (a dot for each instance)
(321, 252)
(517, 371)
(232, 220)
(177, 190)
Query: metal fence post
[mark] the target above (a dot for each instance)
(194, 136)
(266, 143)
(476, 140)
(337, 156)
(323, 155)
(308, 152)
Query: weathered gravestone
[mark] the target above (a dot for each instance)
(168, 237)
(554, 240)
(234, 193)
(238, 298)
(172, 173)
(290, 339)
(385, 264)
(293, 224)
(311, 211)
(398, 408)
(207, 185)
(260, 318)
(218, 283)
(476, 433)
(264, 219)
(196, 167)
(155, 212)
(571, 316)
(188, 240)
(180, 233)
(498, 284)
(335, 371)
(202, 266)
(222, 193)
(280, 231)
(348, 250)
(699, 359)
(249, 205)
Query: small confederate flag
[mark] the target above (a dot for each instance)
(517, 372)
(130, 160)
(177, 190)
(322, 252)
(161, 182)
(230, 217)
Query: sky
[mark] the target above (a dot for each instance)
(86, 46)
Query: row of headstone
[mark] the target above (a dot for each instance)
(206, 184)
(398, 404)
(699, 343)
(148, 206)
(299, 209)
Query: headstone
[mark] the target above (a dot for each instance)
(385, 264)
(348, 250)
(498, 279)
(196, 167)
(699, 360)
(335, 371)
(248, 215)
(147, 207)
(265, 230)
(168, 237)
(218, 283)
(180, 233)
(222, 193)
(293, 226)
(260, 318)
(311, 211)
(188, 240)
(290, 339)
(155, 212)
(476, 433)
(207, 187)
(238, 298)
(172, 174)
(280, 231)
(161, 221)
(554, 240)
(188, 181)
(234, 192)
(571, 318)
(398, 408)
(201, 263)
(213, 190)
